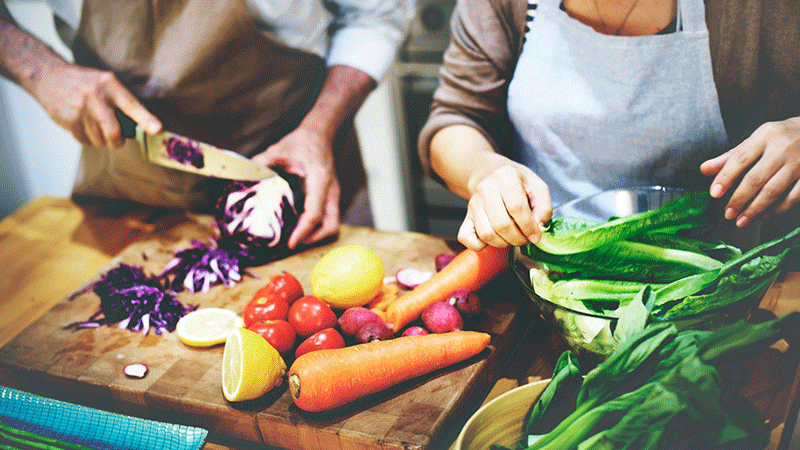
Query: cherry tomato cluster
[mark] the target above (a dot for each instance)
(282, 314)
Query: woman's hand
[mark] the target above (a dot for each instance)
(308, 154)
(768, 163)
(508, 206)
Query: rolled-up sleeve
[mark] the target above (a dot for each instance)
(486, 38)
(367, 34)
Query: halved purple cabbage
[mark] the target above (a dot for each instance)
(134, 300)
(185, 151)
(259, 239)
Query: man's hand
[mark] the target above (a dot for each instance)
(80, 99)
(768, 163)
(308, 154)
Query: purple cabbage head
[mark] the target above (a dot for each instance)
(255, 220)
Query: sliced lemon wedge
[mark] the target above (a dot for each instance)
(251, 367)
(207, 326)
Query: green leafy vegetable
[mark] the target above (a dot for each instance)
(686, 210)
(660, 389)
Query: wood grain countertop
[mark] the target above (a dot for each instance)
(51, 247)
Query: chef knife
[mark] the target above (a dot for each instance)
(181, 153)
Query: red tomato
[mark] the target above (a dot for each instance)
(279, 333)
(284, 285)
(308, 314)
(321, 340)
(265, 308)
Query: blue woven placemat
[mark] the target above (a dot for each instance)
(92, 427)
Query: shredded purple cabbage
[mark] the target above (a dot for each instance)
(134, 301)
(200, 267)
(185, 151)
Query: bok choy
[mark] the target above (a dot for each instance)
(661, 389)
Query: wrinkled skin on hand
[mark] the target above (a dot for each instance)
(82, 101)
(308, 154)
(768, 164)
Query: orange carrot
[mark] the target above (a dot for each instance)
(388, 293)
(327, 379)
(468, 270)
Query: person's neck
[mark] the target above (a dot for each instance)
(623, 17)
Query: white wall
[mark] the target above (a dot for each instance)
(39, 158)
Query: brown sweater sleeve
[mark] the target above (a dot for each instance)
(486, 39)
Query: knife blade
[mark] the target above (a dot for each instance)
(178, 152)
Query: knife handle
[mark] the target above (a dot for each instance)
(126, 123)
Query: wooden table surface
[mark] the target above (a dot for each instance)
(52, 247)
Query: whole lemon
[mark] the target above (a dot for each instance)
(350, 275)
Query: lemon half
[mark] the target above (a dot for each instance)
(350, 275)
(251, 367)
(207, 326)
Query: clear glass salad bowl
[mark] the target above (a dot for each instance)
(591, 335)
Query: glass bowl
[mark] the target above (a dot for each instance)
(590, 335)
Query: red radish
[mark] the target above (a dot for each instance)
(374, 331)
(469, 270)
(327, 379)
(411, 277)
(353, 319)
(466, 302)
(415, 331)
(442, 317)
(443, 259)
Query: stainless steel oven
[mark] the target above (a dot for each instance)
(432, 208)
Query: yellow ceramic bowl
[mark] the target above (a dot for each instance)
(500, 421)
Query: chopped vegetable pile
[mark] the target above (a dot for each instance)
(198, 268)
(254, 221)
(134, 300)
(661, 389)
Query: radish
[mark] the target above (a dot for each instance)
(410, 277)
(442, 317)
(466, 302)
(353, 319)
(443, 259)
(415, 331)
(374, 331)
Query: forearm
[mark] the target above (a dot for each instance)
(461, 156)
(343, 92)
(24, 59)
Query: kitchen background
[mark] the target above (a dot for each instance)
(39, 158)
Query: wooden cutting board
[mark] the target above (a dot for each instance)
(183, 383)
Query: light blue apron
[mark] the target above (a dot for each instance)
(594, 112)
